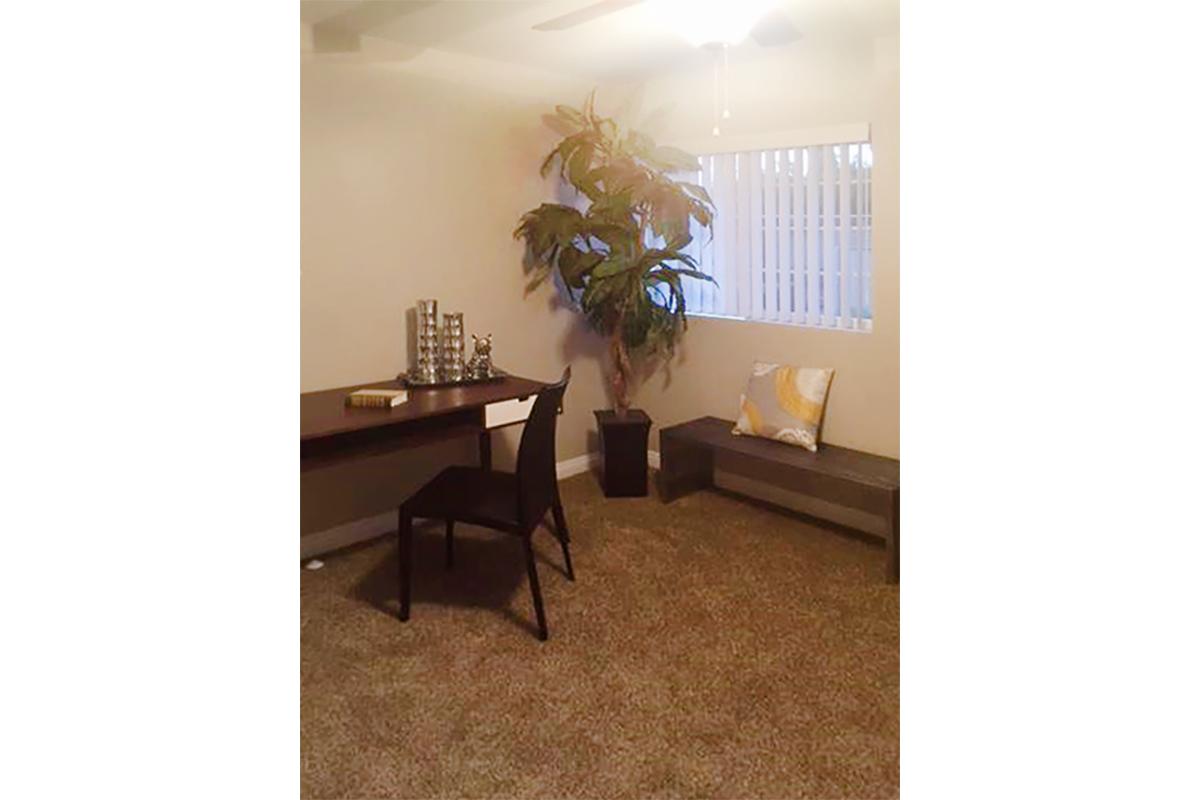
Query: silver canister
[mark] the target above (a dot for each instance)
(428, 355)
(452, 347)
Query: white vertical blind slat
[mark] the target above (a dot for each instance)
(741, 264)
(864, 219)
(709, 242)
(726, 201)
(812, 234)
(691, 289)
(868, 255)
(770, 237)
(844, 237)
(828, 267)
(756, 235)
(786, 254)
(698, 297)
(856, 236)
(796, 313)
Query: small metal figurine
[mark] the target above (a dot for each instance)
(480, 365)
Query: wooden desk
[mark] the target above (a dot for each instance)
(331, 432)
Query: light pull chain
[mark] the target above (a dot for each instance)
(720, 85)
(725, 65)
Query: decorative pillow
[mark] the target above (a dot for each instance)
(784, 403)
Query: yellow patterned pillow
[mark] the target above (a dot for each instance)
(784, 403)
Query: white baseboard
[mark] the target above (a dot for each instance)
(581, 464)
(576, 466)
(361, 530)
(339, 536)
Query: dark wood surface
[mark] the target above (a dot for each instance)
(623, 444)
(332, 432)
(633, 416)
(839, 475)
(325, 413)
(838, 462)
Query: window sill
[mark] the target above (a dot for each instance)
(864, 326)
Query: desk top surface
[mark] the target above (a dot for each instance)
(325, 413)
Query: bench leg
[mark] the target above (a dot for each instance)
(684, 468)
(893, 543)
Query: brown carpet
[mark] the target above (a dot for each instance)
(709, 648)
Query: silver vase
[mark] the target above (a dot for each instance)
(452, 347)
(428, 357)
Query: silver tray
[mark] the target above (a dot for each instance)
(495, 377)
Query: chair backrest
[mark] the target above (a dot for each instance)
(537, 479)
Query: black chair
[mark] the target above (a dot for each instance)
(504, 501)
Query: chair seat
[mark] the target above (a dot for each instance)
(514, 503)
(469, 494)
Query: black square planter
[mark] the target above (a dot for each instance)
(623, 443)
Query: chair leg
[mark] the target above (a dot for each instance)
(560, 526)
(535, 588)
(405, 562)
(449, 544)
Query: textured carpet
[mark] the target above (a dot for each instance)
(709, 648)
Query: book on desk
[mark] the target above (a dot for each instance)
(376, 398)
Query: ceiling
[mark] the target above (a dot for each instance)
(624, 44)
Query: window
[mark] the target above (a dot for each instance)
(791, 242)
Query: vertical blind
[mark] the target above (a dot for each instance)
(791, 241)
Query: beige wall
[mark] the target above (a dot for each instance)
(410, 188)
(790, 89)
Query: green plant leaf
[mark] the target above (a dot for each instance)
(624, 287)
(589, 107)
(575, 265)
(694, 273)
(578, 167)
(574, 116)
(697, 191)
(613, 267)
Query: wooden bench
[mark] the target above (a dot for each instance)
(838, 475)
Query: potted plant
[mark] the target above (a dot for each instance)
(618, 253)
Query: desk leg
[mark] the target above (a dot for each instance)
(405, 562)
(893, 544)
(485, 449)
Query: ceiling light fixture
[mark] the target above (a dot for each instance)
(709, 21)
(714, 25)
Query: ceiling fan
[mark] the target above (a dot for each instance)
(710, 25)
(770, 26)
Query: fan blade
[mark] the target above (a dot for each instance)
(585, 14)
(774, 29)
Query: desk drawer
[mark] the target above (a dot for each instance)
(507, 412)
